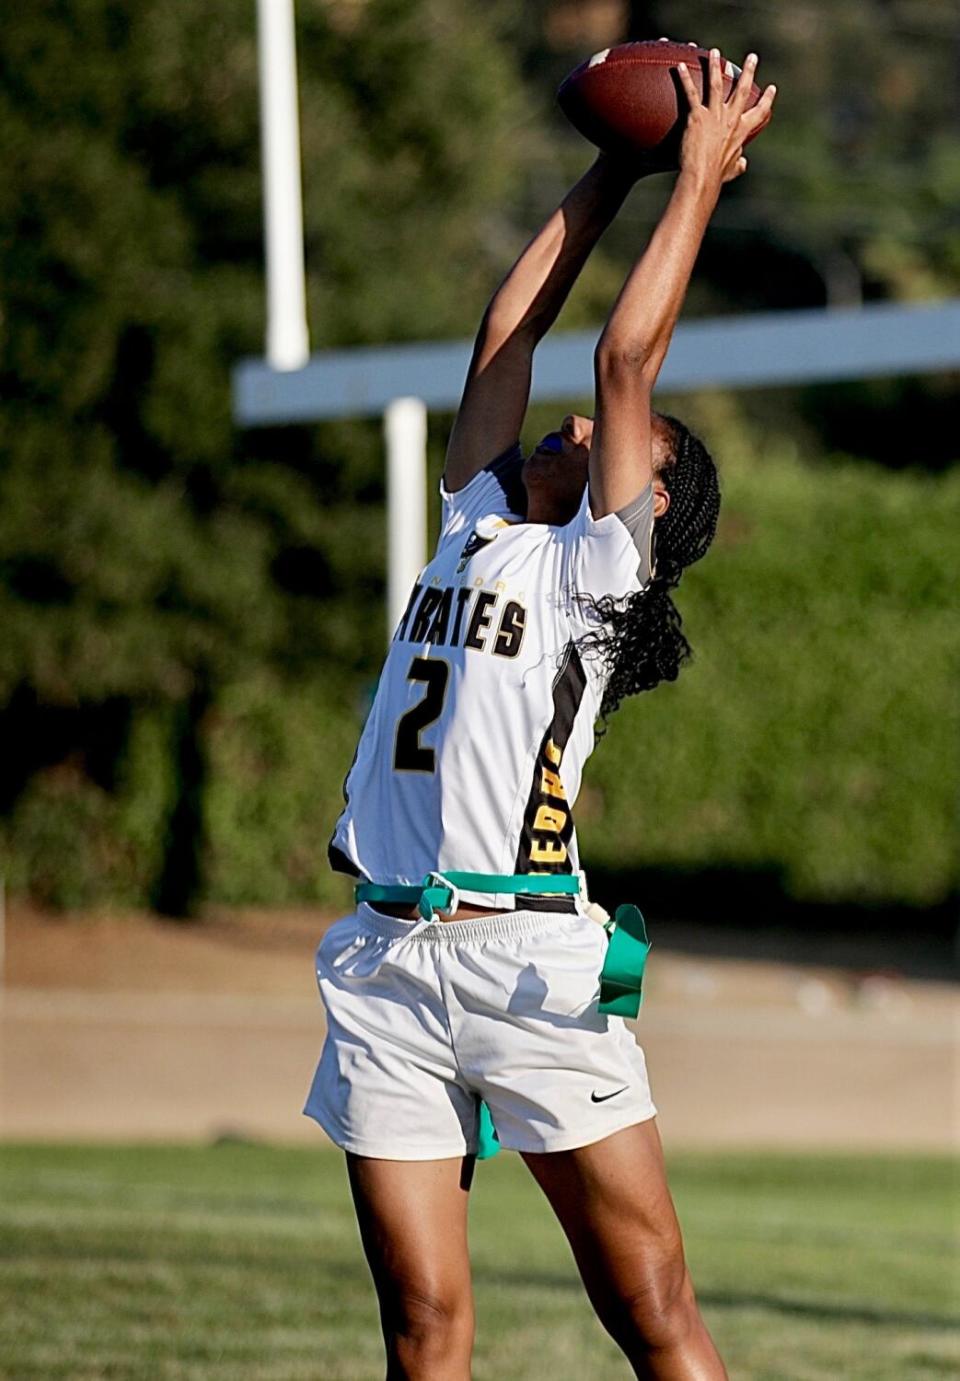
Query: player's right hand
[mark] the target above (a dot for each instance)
(716, 131)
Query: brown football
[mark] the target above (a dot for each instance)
(629, 99)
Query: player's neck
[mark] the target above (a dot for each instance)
(544, 507)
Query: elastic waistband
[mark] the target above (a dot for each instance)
(505, 926)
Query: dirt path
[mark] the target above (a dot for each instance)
(128, 1028)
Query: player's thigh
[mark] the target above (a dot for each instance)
(614, 1205)
(413, 1224)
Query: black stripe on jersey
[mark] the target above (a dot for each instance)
(340, 863)
(568, 689)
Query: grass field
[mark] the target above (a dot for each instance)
(238, 1262)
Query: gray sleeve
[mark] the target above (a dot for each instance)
(637, 518)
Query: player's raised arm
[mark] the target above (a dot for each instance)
(520, 313)
(635, 339)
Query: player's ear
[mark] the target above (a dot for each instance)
(661, 500)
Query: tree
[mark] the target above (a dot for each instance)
(148, 554)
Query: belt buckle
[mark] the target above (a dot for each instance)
(438, 880)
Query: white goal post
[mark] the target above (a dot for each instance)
(287, 343)
(401, 382)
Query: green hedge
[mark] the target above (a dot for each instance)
(278, 757)
(71, 843)
(815, 733)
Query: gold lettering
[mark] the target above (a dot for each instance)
(509, 637)
(549, 821)
(551, 785)
(550, 851)
(552, 753)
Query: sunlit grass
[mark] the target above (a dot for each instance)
(239, 1263)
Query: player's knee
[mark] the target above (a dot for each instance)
(659, 1313)
(426, 1329)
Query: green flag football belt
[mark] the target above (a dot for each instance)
(621, 978)
(441, 891)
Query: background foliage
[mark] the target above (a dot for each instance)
(192, 617)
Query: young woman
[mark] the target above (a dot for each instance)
(470, 970)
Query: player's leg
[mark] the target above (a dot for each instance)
(413, 1222)
(613, 1203)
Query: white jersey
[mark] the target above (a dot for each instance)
(473, 751)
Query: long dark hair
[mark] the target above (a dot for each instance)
(639, 638)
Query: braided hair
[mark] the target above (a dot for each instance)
(639, 638)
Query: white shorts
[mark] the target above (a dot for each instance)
(425, 1020)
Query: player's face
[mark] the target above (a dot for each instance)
(556, 472)
(569, 446)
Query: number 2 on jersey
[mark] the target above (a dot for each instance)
(409, 754)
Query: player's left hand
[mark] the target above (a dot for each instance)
(716, 131)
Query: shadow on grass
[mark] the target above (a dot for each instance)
(822, 1310)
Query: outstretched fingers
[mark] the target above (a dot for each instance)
(727, 125)
(758, 116)
(741, 91)
(689, 86)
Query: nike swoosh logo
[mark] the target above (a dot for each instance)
(602, 1097)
